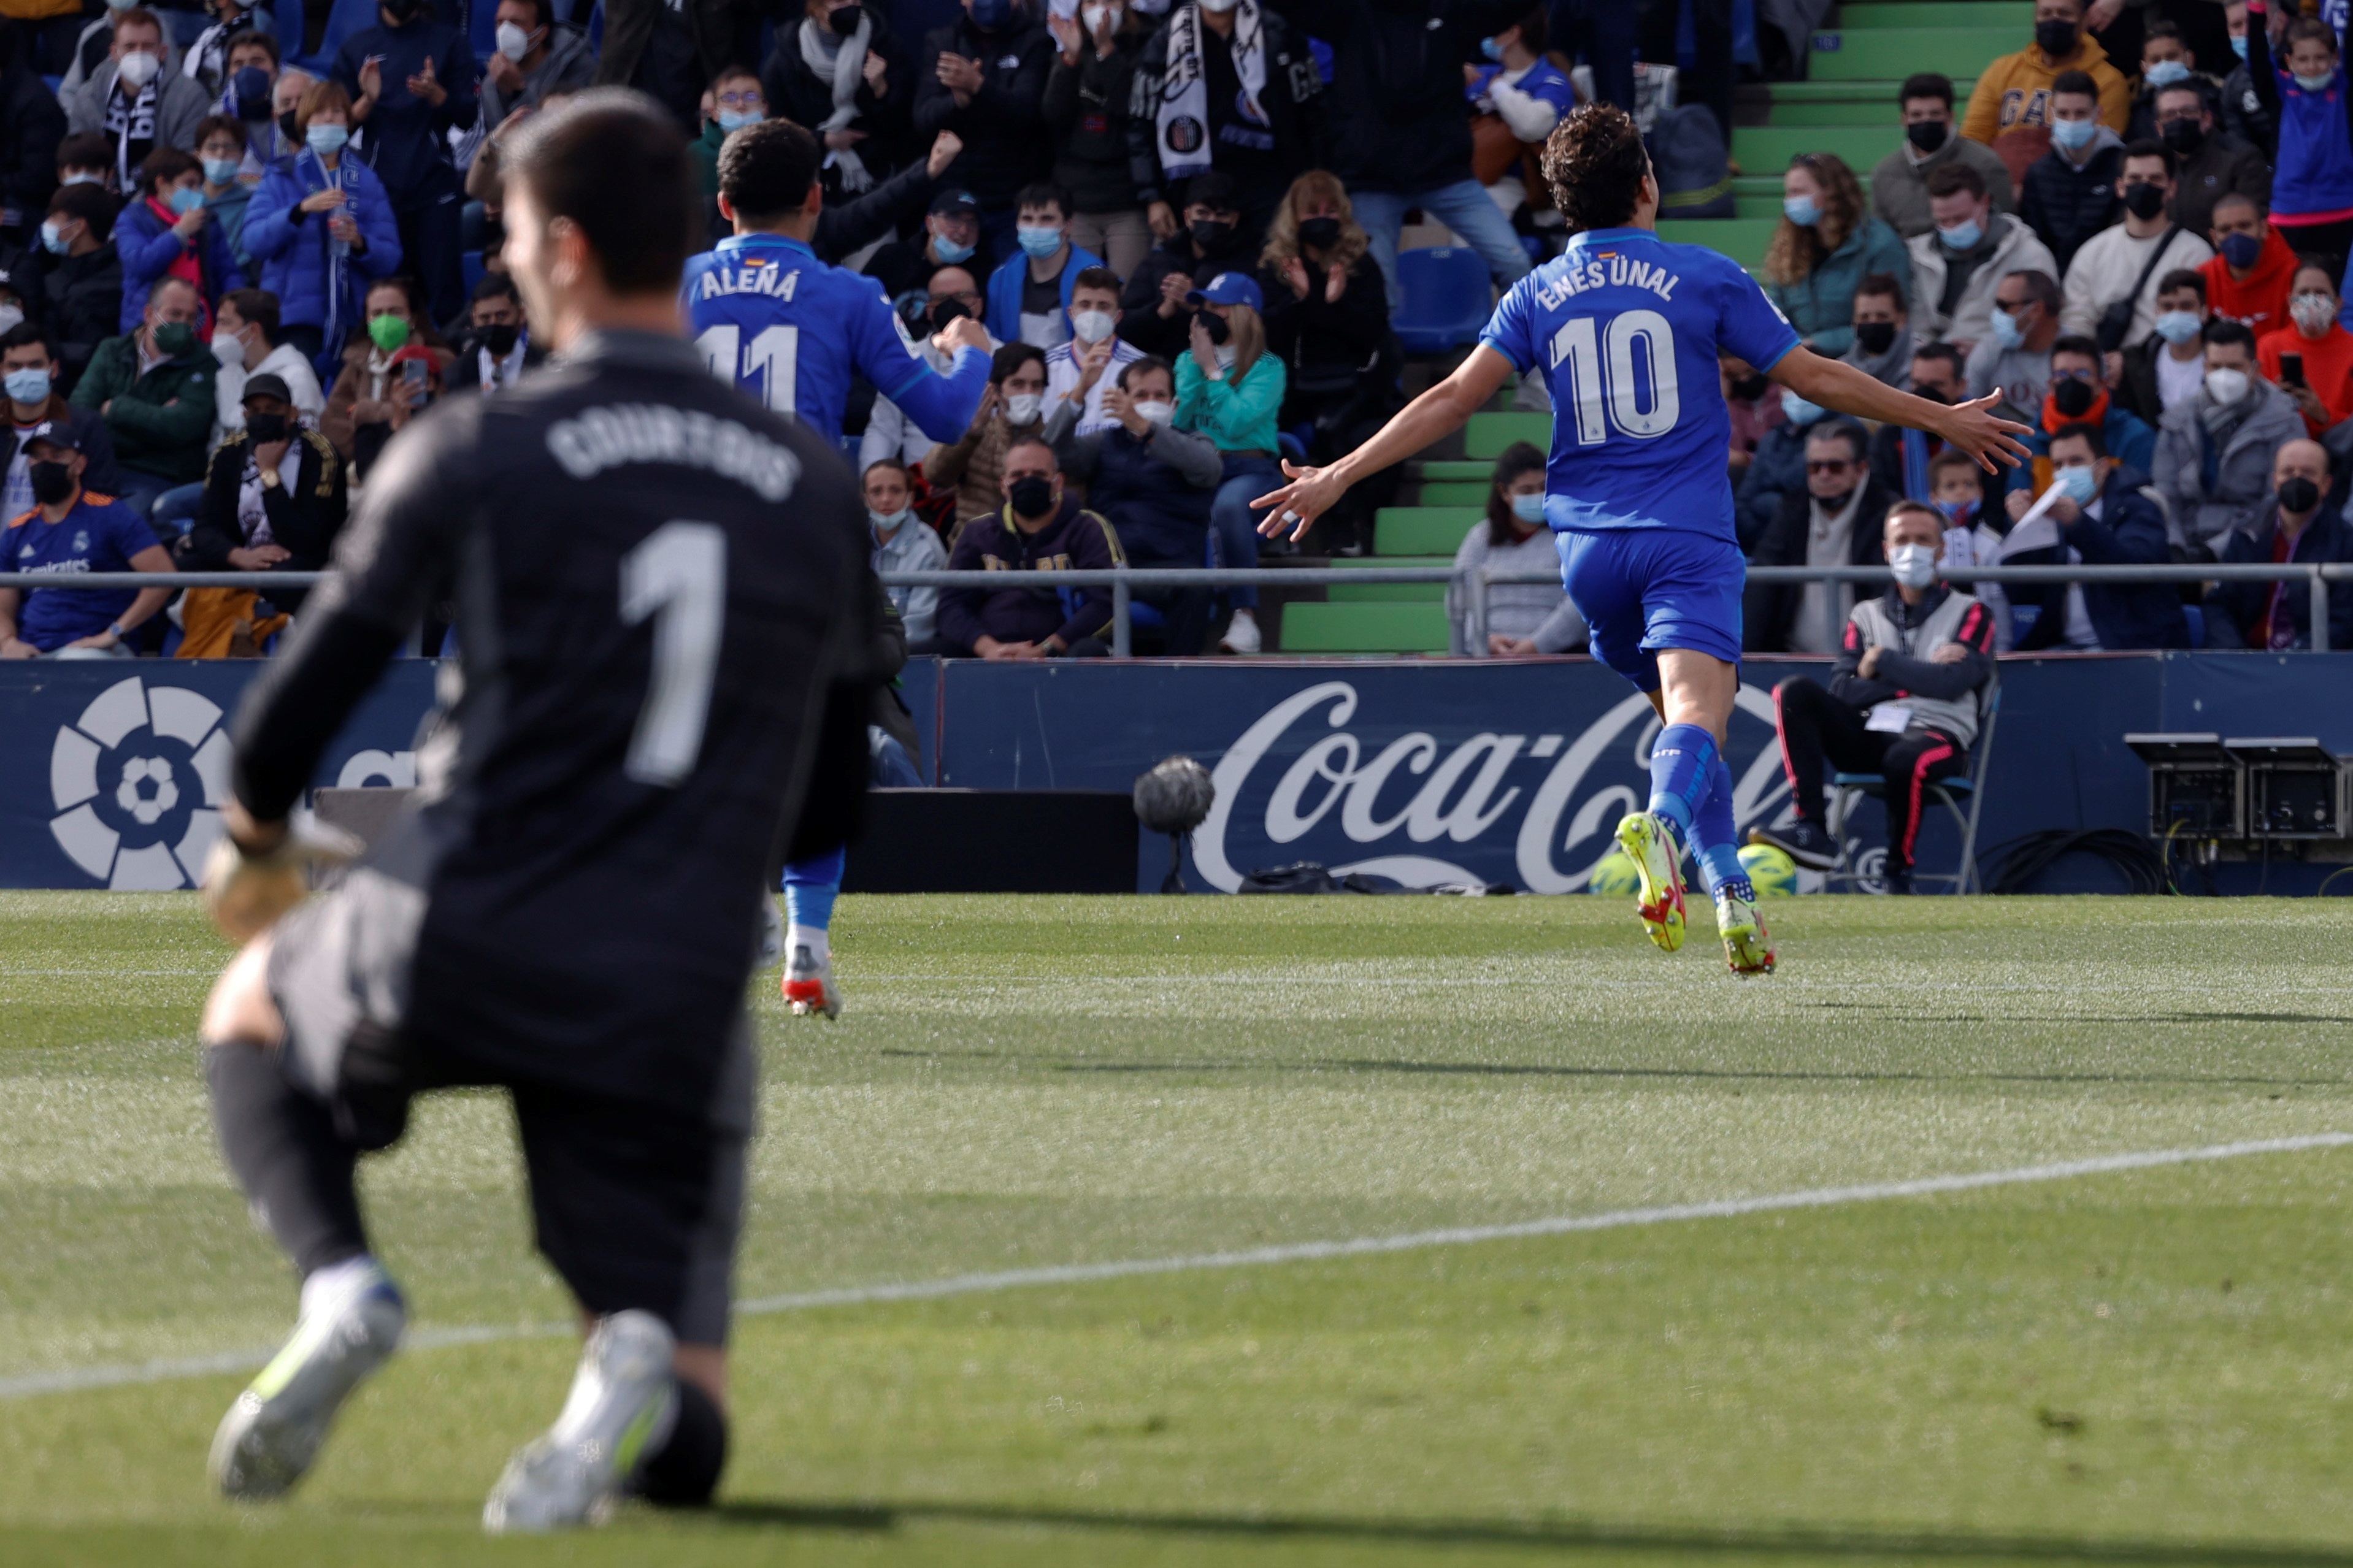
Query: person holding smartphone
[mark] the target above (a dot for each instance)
(2311, 358)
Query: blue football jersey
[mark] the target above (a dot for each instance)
(1628, 328)
(790, 331)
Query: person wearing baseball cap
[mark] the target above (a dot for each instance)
(73, 531)
(1230, 389)
(274, 496)
(952, 237)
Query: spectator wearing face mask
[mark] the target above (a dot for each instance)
(951, 236)
(1080, 372)
(1029, 294)
(533, 55)
(206, 60)
(134, 100)
(952, 294)
(72, 530)
(154, 386)
(414, 383)
(984, 78)
(249, 75)
(1013, 407)
(274, 496)
(1036, 528)
(1965, 255)
(736, 99)
(1831, 521)
(1523, 619)
(2308, 97)
(322, 228)
(412, 80)
(2211, 162)
(2167, 367)
(2014, 358)
(1902, 702)
(904, 543)
(1753, 406)
(1230, 389)
(1155, 317)
(1899, 184)
(2010, 109)
(29, 373)
(831, 71)
(2311, 359)
(220, 158)
(1957, 490)
(1088, 94)
(495, 349)
(166, 232)
(2243, 114)
(2253, 269)
(1515, 103)
(365, 394)
(1230, 89)
(1884, 343)
(2293, 529)
(1824, 245)
(1156, 484)
(2077, 396)
(77, 276)
(86, 159)
(2111, 284)
(2214, 452)
(2166, 61)
(2101, 517)
(2071, 192)
(1904, 461)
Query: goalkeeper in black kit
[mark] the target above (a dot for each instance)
(665, 610)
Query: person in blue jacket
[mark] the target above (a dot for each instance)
(1030, 292)
(413, 81)
(322, 229)
(166, 229)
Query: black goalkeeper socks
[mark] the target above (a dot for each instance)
(685, 1472)
(282, 1144)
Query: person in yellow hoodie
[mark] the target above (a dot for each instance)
(2010, 109)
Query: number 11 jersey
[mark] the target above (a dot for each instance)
(1628, 328)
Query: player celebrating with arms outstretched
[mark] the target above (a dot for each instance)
(1629, 330)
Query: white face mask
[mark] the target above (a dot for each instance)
(513, 42)
(2226, 388)
(888, 522)
(1093, 17)
(1021, 407)
(1220, 4)
(11, 318)
(138, 69)
(1913, 565)
(1156, 412)
(1091, 326)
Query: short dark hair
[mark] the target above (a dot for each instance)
(1021, 441)
(25, 334)
(2160, 28)
(1945, 179)
(2183, 278)
(2223, 331)
(1881, 286)
(867, 471)
(2040, 287)
(163, 167)
(88, 203)
(86, 149)
(1594, 163)
(1953, 457)
(1096, 278)
(1846, 430)
(2076, 343)
(1907, 507)
(1925, 84)
(545, 9)
(1006, 360)
(213, 125)
(2075, 83)
(2081, 430)
(612, 162)
(1142, 363)
(1943, 354)
(259, 306)
(2156, 98)
(2308, 30)
(2238, 199)
(495, 284)
(2319, 264)
(2146, 148)
(1043, 192)
(765, 170)
(250, 39)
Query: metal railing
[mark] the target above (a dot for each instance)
(1473, 586)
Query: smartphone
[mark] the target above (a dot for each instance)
(2291, 369)
(413, 375)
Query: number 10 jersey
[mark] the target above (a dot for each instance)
(1628, 328)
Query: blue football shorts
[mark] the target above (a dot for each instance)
(1643, 589)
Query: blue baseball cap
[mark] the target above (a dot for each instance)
(1230, 289)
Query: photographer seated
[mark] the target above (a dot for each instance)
(1903, 700)
(2101, 517)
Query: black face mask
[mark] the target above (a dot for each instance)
(2184, 137)
(2071, 398)
(404, 12)
(846, 20)
(1836, 503)
(2143, 200)
(2056, 38)
(292, 127)
(501, 339)
(947, 310)
(1930, 393)
(1322, 233)
(265, 427)
(52, 482)
(1927, 135)
(1208, 233)
(1031, 497)
(1217, 326)
(1876, 337)
(1750, 387)
(2299, 494)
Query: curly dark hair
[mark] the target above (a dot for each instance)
(1594, 161)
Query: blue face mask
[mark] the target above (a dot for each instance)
(2074, 136)
(2006, 330)
(1803, 211)
(2179, 326)
(1491, 48)
(186, 200)
(327, 140)
(27, 387)
(2165, 73)
(1529, 509)
(2314, 83)
(736, 119)
(990, 15)
(2242, 250)
(221, 171)
(948, 251)
(1957, 511)
(1963, 235)
(2239, 46)
(2078, 484)
(52, 240)
(1038, 241)
(1796, 410)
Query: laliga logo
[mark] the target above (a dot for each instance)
(1460, 798)
(137, 782)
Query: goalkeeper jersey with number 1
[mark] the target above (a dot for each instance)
(1628, 328)
(790, 331)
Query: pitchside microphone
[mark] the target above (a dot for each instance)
(1175, 798)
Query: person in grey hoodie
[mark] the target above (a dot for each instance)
(1884, 343)
(2215, 451)
(1521, 618)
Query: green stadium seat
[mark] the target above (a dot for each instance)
(1310, 627)
(1454, 492)
(1432, 471)
(1388, 592)
(2014, 13)
(1422, 530)
(1890, 54)
(1767, 148)
(1488, 434)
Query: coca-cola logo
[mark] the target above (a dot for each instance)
(1427, 808)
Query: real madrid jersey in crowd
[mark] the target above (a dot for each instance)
(791, 330)
(1627, 330)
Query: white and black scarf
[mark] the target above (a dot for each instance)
(130, 121)
(841, 61)
(1183, 120)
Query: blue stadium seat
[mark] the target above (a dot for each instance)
(2196, 616)
(1446, 298)
(286, 17)
(470, 265)
(482, 29)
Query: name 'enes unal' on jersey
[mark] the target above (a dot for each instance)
(1627, 329)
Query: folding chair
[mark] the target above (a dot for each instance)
(1846, 789)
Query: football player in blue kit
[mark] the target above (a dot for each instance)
(1627, 330)
(790, 328)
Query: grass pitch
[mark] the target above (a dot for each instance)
(2148, 1366)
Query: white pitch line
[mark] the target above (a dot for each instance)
(75, 1379)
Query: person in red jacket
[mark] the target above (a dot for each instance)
(2248, 279)
(2323, 386)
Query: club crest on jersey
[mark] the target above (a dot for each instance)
(1609, 267)
(753, 275)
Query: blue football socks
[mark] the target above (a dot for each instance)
(1680, 761)
(1712, 837)
(811, 888)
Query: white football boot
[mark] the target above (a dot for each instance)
(623, 1404)
(350, 1323)
(808, 984)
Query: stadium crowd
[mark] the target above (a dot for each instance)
(228, 277)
